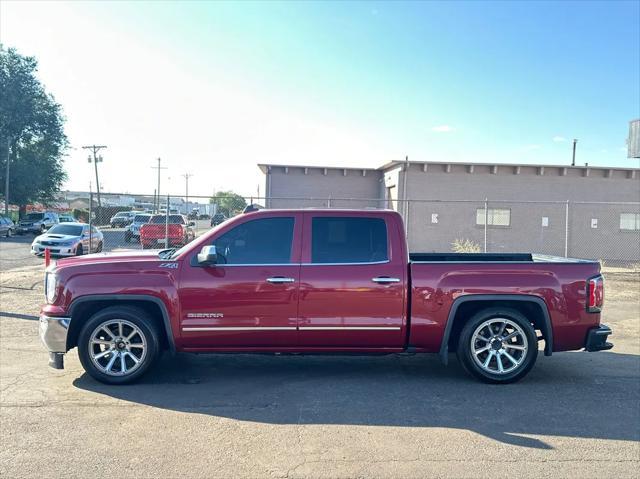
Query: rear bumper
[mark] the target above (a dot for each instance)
(597, 338)
(53, 333)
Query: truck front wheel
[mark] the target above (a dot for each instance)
(118, 344)
(498, 345)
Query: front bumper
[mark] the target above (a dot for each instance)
(38, 250)
(27, 229)
(597, 338)
(53, 333)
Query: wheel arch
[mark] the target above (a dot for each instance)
(533, 307)
(85, 306)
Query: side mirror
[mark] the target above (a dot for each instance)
(207, 255)
(192, 223)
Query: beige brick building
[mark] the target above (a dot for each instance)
(580, 211)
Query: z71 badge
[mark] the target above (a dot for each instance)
(168, 265)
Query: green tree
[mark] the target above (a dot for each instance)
(229, 203)
(32, 138)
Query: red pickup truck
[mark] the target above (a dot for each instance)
(319, 281)
(159, 230)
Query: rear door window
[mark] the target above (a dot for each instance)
(348, 240)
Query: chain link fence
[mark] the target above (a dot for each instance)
(609, 232)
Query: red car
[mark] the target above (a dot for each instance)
(319, 281)
(176, 229)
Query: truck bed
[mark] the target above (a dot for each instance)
(490, 258)
(559, 284)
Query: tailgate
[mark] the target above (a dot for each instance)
(154, 231)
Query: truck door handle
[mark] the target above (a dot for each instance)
(385, 279)
(280, 279)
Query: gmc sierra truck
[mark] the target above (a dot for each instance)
(318, 282)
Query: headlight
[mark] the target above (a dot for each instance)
(50, 287)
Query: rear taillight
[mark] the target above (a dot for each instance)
(595, 294)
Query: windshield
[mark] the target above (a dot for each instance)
(71, 230)
(120, 215)
(173, 219)
(141, 218)
(34, 216)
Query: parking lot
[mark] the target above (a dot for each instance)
(577, 414)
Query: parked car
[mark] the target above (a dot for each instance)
(156, 232)
(66, 218)
(319, 281)
(68, 239)
(121, 219)
(7, 228)
(37, 223)
(217, 219)
(133, 230)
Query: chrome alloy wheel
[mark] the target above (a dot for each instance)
(117, 347)
(499, 345)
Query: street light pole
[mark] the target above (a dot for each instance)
(186, 179)
(95, 149)
(157, 206)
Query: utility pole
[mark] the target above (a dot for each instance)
(6, 181)
(157, 206)
(95, 149)
(186, 179)
(573, 158)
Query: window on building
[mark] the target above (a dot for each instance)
(630, 221)
(261, 241)
(348, 240)
(495, 217)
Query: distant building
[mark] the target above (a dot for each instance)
(633, 143)
(581, 211)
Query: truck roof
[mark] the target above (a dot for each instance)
(323, 209)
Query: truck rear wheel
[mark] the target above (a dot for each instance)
(118, 344)
(498, 345)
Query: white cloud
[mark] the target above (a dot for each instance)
(443, 129)
(559, 139)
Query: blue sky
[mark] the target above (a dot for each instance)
(215, 88)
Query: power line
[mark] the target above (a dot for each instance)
(95, 149)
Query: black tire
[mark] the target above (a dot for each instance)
(526, 360)
(127, 238)
(9, 233)
(42, 229)
(79, 250)
(129, 314)
(99, 250)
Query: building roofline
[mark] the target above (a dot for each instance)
(264, 166)
(395, 163)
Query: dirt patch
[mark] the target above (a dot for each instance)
(622, 286)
